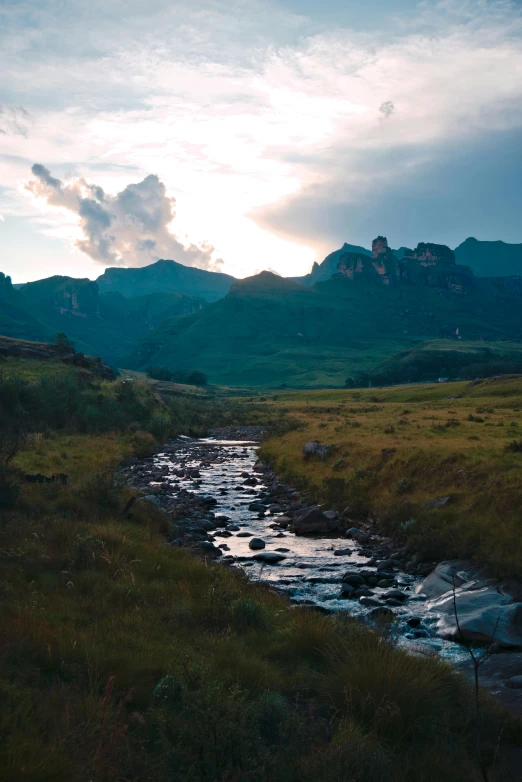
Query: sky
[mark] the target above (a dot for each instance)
(253, 134)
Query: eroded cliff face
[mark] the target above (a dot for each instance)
(429, 264)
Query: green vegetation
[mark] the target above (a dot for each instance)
(269, 331)
(103, 324)
(450, 359)
(395, 450)
(125, 658)
(192, 378)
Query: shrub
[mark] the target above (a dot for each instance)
(403, 486)
(514, 447)
(9, 488)
(248, 614)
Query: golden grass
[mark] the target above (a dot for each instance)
(395, 449)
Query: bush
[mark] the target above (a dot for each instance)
(403, 486)
(514, 447)
(9, 488)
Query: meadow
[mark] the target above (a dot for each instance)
(393, 451)
(124, 658)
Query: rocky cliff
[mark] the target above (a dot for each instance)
(429, 264)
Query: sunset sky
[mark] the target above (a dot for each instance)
(245, 135)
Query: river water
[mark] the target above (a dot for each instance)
(310, 572)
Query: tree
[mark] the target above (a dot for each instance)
(196, 378)
(61, 340)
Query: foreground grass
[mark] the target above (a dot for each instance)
(394, 450)
(123, 658)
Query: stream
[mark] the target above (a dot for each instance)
(203, 483)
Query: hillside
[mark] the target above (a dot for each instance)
(268, 331)
(165, 276)
(108, 325)
(444, 358)
(490, 259)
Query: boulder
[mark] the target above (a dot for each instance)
(269, 557)
(343, 552)
(356, 534)
(353, 578)
(370, 602)
(210, 548)
(442, 579)
(381, 612)
(313, 448)
(256, 543)
(484, 614)
(313, 521)
(395, 594)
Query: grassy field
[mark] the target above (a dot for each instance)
(393, 450)
(125, 659)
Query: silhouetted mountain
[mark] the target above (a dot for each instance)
(490, 259)
(165, 276)
(325, 269)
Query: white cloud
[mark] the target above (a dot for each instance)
(130, 228)
(239, 108)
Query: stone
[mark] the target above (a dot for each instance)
(233, 527)
(484, 614)
(244, 535)
(354, 579)
(312, 449)
(331, 515)
(413, 621)
(210, 548)
(381, 612)
(313, 521)
(385, 564)
(256, 543)
(356, 534)
(282, 550)
(438, 502)
(363, 592)
(256, 506)
(370, 602)
(205, 524)
(442, 579)
(269, 557)
(343, 552)
(395, 594)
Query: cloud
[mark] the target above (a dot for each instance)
(386, 109)
(14, 120)
(130, 228)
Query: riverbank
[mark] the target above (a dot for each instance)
(437, 468)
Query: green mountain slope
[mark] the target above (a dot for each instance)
(449, 359)
(490, 259)
(107, 325)
(165, 276)
(268, 330)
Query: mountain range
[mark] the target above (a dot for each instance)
(346, 318)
